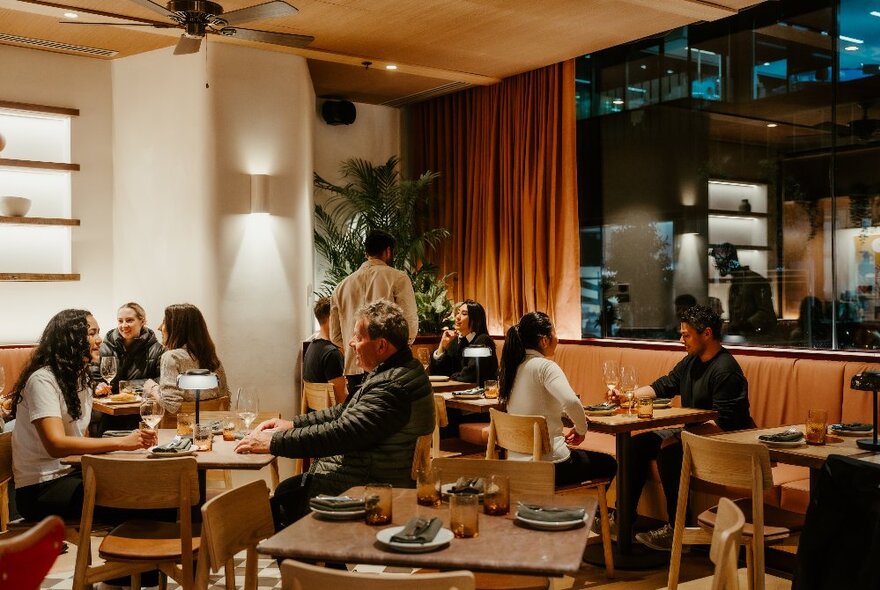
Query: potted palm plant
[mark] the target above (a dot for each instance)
(376, 197)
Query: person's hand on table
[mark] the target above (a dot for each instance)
(644, 391)
(573, 438)
(255, 443)
(138, 439)
(273, 424)
(103, 389)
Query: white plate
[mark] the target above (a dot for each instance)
(551, 526)
(444, 536)
(600, 412)
(444, 491)
(794, 443)
(438, 378)
(337, 514)
(152, 455)
(109, 400)
(847, 432)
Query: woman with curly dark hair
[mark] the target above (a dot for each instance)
(188, 346)
(52, 403)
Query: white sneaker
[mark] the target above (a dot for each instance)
(658, 539)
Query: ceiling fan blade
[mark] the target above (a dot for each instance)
(187, 45)
(153, 25)
(91, 11)
(285, 39)
(259, 12)
(154, 7)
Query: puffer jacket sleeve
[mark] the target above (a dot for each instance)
(339, 430)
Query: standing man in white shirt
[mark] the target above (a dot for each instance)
(375, 279)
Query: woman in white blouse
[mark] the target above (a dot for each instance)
(533, 384)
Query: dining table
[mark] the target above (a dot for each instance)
(623, 424)
(106, 406)
(480, 405)
(503, 544)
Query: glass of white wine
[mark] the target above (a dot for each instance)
(425, 358)
(611, 372)
(247, 406)
(628, 383)
(152, 412)
(108, 368)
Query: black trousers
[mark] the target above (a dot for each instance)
(582, 465)
(647, 447)
(289, 501)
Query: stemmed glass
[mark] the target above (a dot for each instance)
(108, 368)
(152, 412)
(424, 357)
(611, 372)
(628, 383)
(247, 406)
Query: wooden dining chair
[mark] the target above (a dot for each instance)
(742, 466)
(316, 396)
(724, 550)
(529, 434)
(296, 575)
(25, 559)
(136, 546)
(232, 522)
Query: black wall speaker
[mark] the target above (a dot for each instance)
(338, 112)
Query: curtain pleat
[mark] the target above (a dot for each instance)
(508, 194)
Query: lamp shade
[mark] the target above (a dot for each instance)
(477, 352)
(197, 379)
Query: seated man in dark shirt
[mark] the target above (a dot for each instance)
(323, 362)
(708, 378)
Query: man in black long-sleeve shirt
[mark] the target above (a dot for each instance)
(708, 378)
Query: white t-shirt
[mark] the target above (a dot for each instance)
(540, 388)
(42, 398)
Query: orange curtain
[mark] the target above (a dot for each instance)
(508, 194)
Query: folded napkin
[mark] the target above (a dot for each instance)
(662, 401)
(854, 426)
(418, 530)
(116, 433)
(179, 444)
(468, 485)
(603, 407)
(471, 391)
(550, 513)
(337, 503)
(784, 436)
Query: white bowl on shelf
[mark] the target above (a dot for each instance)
(14, 206)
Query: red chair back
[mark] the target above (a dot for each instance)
(26, 559)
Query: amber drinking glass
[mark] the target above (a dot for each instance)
(464, 515)
(817, 426)
(496, 498)
(377, 500)
(428, 487)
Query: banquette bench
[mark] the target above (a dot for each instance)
(13, 358)
(783, 386)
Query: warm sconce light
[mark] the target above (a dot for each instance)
(259, 194)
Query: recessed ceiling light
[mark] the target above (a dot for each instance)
(669, 72)
(71, 15)
(391, 67)
(766, 63)
(874, 13)
(851, 39)
(644, 67)
(617, 101)
(851, 48)
(772, 125)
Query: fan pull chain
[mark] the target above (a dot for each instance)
(206, 62)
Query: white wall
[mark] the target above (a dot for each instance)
(60, 80)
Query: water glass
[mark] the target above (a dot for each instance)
(464, 515)
(491, 388)
(229, 428)
(496, 498)
(817, 426)
(377, 501)
(185, 424)
(428, 487)
(203, 437)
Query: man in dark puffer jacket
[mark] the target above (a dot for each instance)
(371, 437)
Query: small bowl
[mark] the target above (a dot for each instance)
(14, 206)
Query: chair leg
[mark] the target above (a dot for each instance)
(229, 574)
(136, 581)
(750, 565)
(163, 581)
(606, 532)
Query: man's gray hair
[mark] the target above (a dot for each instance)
(385, 320)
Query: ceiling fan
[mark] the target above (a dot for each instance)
(863, 129)
(198, 18)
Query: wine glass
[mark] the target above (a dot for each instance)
(152, 412)
(424, 357)
(108, 368)
(247, 406)
(628, 382)
(611, 372)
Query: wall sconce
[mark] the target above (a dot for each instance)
(259, 194)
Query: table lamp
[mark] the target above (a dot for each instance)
(868, 381)
(197, 380)
(477, 352)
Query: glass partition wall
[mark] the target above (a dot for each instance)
(736, 164)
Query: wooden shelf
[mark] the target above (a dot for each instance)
(37, 277)
(746, 247)
(38, 108)
(39, 221)
(727, 213)
(10, 163)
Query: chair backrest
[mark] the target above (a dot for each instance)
(726, 539)
(728, 463)
(5, 477)
(440, 410)
(527, 478)
(26, 559)
(217, 404)
(517, 433)
(317, 396)
(120, 482)
(235, 521)
(301, 576)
